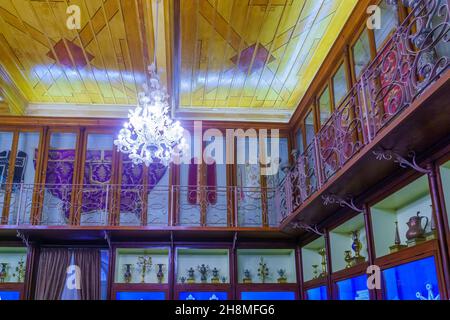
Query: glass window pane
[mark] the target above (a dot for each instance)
(361, 53)
(339, 85)
(5, 153)
(249, 182)
(325, 106)
(309, 128)
(59, 178)
(299, 138)
(389, 22)
(319, 293)
(24, 172)
(97, 178)
(353, 289)
(412, 281)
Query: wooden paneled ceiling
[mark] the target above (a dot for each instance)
(236, 57)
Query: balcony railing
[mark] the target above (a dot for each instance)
(414, 57)
(139, 205)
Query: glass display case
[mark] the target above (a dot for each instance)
(353, 289)
(144, 266)
(9, 295)
(415, 280)
(268, 295)
(403, 219)
(348, 244)
(13, 261)
(266, 266)
(199, 295)
(319, 293)
(314, 260)
(144, 295)
(202, 266)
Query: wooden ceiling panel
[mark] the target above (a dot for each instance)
(104, 62)
(256, 54)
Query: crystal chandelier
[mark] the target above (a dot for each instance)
(150, 135)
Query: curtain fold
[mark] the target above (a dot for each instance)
(89, 261)
(51, 274)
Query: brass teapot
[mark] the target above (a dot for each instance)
(415, 229)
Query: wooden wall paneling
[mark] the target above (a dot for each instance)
(10, 179)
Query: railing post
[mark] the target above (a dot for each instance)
(107, 217)
(365, 112)
(317, 164)
(19, 207)
(236, 206)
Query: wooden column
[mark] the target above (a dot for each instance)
(440, 225)
(374, 295)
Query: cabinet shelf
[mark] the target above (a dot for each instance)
(129, 266)
(394, 212)
(275, 260)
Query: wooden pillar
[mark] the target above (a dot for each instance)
(440, 225)
(374, 294)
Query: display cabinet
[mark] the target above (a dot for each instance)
(403, 219)
(141, 274)
(354, 288)
(266, 266)
(317, 293)
(266, 274)
(13, 264)
(314, 260)
(203, 274)
(415, 280)
(348, 244)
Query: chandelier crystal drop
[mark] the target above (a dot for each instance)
(150, 135)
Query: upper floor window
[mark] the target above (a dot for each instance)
(389, 22)
(361, 53)
(309, 128)
(339, 85)
(325, 106)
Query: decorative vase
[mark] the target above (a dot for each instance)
(191, 276)
(204, 271)
(127, 276)
(323, 254)
(356, 247)
(348, 258)
(160, 273)
(247, 276)
(397, 242)
(3, 272)
(263, 270)
(215, 276)
(144, 263)
(315, 271)
(282, 276)
(415, 230)
(20, 269)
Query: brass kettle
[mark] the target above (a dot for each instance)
(415, 229)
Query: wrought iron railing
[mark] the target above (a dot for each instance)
(415, 56)
(138, 205)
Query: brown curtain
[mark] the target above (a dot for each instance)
(51, 274)
(89, 261)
